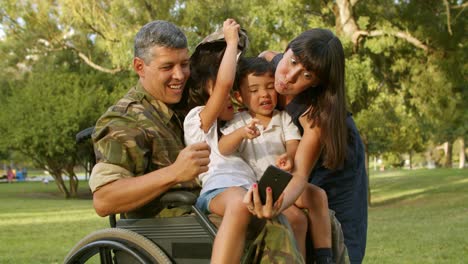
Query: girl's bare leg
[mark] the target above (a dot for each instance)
(230, 238)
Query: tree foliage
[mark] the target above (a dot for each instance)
(45, 111)
(65, 61)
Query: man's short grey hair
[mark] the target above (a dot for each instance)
(158, 33)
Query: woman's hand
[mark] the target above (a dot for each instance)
(254, 204)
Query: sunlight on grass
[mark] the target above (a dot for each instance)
(418, 216)
(392, 196)
(386, 196)
(39, 225)
(47, 217)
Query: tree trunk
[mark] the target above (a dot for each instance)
(411, 160)
(448, 154)
(60, 184)
(73, 182)
(461, 164)
(73, 185)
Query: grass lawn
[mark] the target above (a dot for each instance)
(418, 216)
(38, 226)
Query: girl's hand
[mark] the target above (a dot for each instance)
(284, 162)
(251, 130)
(231, 31)
(255, 206)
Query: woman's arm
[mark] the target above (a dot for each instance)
(225, 77)
(308, 150)
(307, 154)
(130, 193)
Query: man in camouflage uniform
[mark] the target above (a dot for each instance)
(141, 134)
(139, 143)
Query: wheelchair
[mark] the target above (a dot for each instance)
(180, 239)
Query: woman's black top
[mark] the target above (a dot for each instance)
(347, 187)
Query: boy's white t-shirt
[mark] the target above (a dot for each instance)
(223, 171)
(263, 150)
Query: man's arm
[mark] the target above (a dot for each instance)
(127, 194)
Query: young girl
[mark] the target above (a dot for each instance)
(228, 177)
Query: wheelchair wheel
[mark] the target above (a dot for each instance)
(116, 245)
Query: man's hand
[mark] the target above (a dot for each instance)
(192, 161)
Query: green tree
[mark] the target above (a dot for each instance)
(47, 109)
(406, 60)
(415, 49)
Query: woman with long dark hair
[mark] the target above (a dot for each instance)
(310, 76)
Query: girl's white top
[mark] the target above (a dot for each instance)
(224, 171)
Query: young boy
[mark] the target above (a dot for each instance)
(270, 132)
(263, 136)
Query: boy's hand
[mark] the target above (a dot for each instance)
(251, 130)
(231, 31)
(284, 162)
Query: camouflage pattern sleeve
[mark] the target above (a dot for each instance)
(119, 141)
(135, 136)
(119, 136)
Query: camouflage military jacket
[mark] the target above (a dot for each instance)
(137, 135)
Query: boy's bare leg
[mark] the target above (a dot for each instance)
(299, 222)
(230, 238)
(315, 200)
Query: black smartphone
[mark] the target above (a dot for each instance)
(276, 179)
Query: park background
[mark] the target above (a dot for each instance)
(65, 62)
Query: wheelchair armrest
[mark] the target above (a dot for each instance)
(84, 134)
(178, 198)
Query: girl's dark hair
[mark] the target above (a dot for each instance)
(321, 52)
(204, 66)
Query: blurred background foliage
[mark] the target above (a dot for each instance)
(64, 62)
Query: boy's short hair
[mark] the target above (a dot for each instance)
(252, 65)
